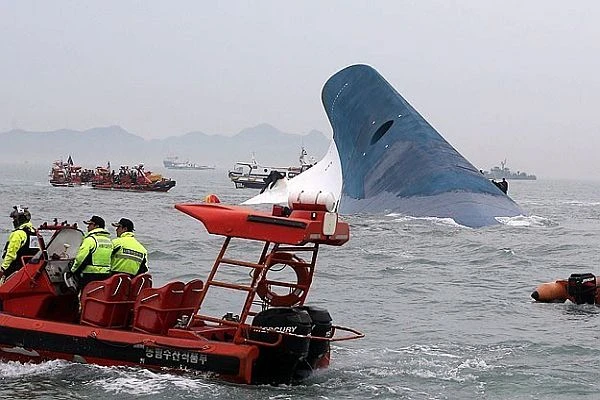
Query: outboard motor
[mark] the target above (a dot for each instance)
(582, 287)
(318, 351)
(278, 364)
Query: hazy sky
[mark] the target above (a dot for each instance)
(498, 79)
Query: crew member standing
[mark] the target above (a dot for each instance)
(504, 184)
(92, 262)
(22, 241)
(129, 256)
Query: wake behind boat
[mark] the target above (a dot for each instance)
(274, 337)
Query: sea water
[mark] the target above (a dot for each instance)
(446, 310)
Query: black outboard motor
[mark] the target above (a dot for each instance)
(276, 365)
(318, 350)
(582, 287)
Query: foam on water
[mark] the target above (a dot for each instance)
(434, 220)
(17, 370)
(135, 381)
(521, 220)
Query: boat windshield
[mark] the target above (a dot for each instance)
(65, 243)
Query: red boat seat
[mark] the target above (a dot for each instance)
(106, 303)
(191, 296)
(156, 310)
(138, 283)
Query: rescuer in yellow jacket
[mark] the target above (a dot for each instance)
(129, 256)
(92, 262)
(22, 241)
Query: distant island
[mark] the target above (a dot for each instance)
(97, 146)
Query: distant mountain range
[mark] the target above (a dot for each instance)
(96, 146)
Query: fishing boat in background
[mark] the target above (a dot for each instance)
(250, 174)
(134, 179)
(174, 163)
(504, 172)
(274, 338)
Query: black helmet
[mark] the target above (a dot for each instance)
(20, 215)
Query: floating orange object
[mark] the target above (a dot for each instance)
(551, 292)
(211, 198)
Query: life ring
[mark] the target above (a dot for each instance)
(303, 278)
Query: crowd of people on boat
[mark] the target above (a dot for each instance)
(98, 257)
(126, 176)
(67, 174)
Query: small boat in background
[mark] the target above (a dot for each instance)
(174, 163)
(134, 179)
(249, 174)
(504, 172)
(67, 174)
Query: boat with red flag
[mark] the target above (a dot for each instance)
(274, 337)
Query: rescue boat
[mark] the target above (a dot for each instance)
(134, 179)
(274, 338)
(66, 174)
(579, 289)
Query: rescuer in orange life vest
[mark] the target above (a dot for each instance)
(22, 241)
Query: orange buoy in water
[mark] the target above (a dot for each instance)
(212, 198)
(551, 292)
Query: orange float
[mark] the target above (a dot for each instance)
(551, 292)
(579, 289)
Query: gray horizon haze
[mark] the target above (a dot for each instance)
(499, 80)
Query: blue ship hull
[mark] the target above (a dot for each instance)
(393, 161)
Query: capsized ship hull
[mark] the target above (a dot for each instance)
(393, 160)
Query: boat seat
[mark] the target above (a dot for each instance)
(191, 296)
(106, 303)
(156, 310)
(138, 283)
